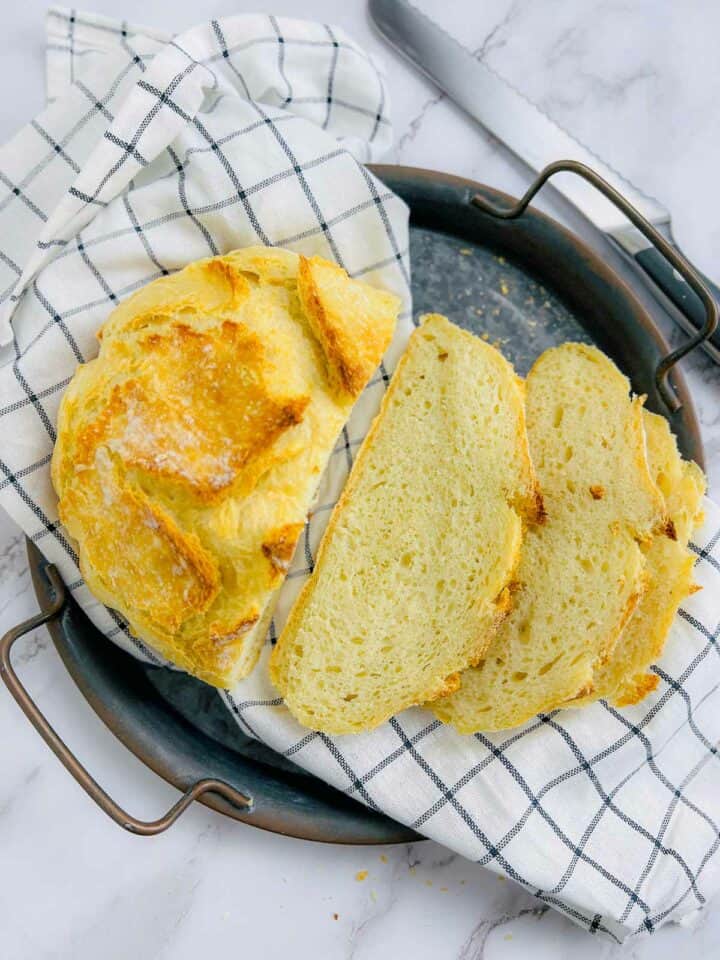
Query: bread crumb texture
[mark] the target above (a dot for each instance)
(413, 573)
(669, 563)
(189, 450)
(583, 573)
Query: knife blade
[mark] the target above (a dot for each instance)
(538, 141)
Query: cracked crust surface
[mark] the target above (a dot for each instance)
(189, 451)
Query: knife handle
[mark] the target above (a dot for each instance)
(679, 292)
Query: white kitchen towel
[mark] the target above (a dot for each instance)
(157, 151)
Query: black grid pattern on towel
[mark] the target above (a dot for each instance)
(59, 155)
(607, 813)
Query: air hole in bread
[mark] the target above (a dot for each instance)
(547, 667)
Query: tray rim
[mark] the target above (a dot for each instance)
(599, 265)
(404, 834)
(396, 832)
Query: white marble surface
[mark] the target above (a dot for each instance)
(638, 82)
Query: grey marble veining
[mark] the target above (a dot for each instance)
(637, 82)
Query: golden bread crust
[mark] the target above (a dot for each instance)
(637, 689)
(344, 317)
(160, 568)
(199, 412)
(188, 452)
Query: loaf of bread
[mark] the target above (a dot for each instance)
(582, 573)
(412, 575)
(624, 679)
(189, 451)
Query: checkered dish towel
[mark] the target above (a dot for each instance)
(158, 150)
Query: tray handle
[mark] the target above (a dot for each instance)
(671, 254)
(143, 828)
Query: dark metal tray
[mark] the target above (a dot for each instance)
(525, 283)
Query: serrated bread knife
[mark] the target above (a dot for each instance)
(538, 141)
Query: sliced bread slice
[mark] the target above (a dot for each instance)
(624, 679)
(581, 574)
(413, 571)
